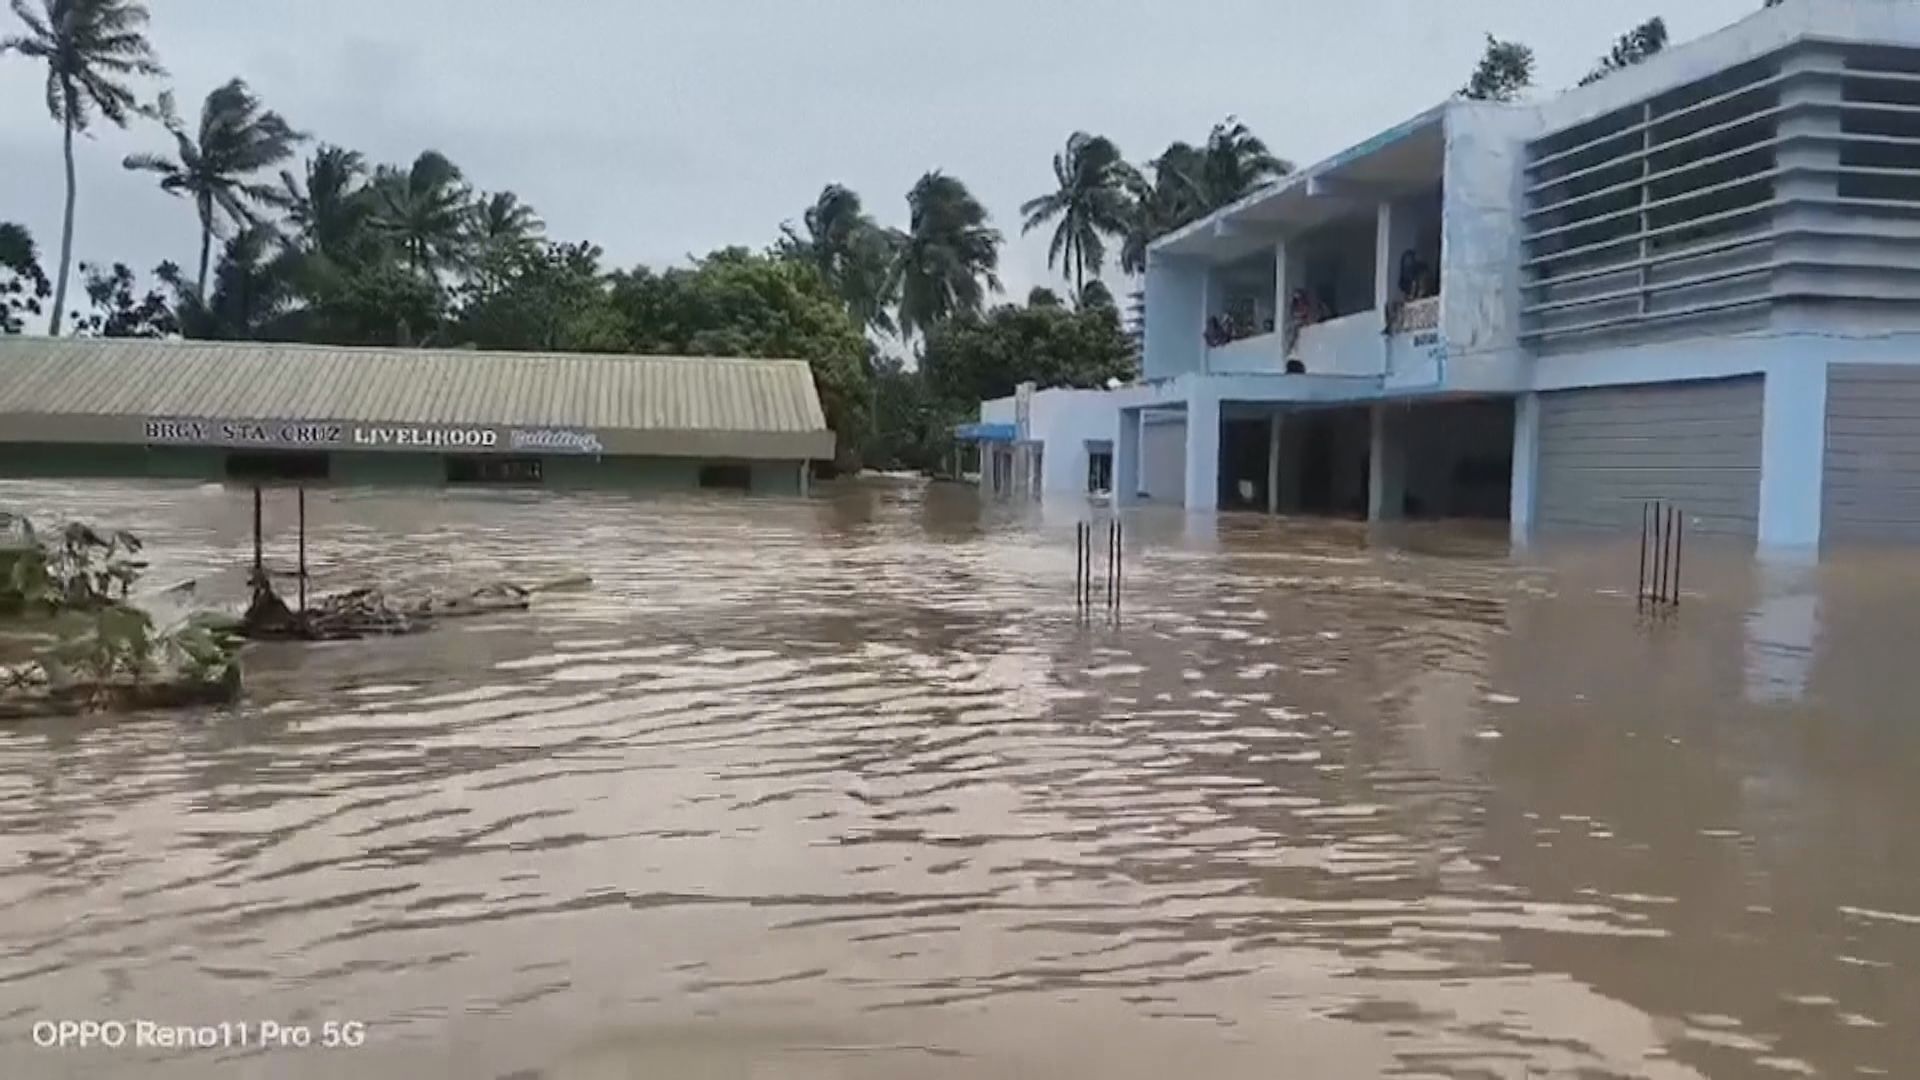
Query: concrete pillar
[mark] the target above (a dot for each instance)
(1176, 319)
(1793, 453)
(1386, 286)
(1281, 288)
(1203, 448)
(1273, 461)
(1126, 456)
(1387, 465)
(1526, 467)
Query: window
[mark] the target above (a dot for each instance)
(261, 468)
(735, 477)
(1100, 471)
(493, 470)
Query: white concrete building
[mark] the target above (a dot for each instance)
(1696, 280)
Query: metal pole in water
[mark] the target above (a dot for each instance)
(303, 550)
(1640, 583)
(1666, 549)
(1109, 575)
(1679, 530)
(1119, 552)
(1086, 596)
(1079, 537)
(259, 556)
(1659, 554)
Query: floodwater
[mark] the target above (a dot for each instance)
(845, 788)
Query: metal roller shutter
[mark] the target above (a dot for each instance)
(1605, 451)
(1871, 487)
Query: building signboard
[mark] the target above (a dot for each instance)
(556, 441)
(309, 435)
(306, 435)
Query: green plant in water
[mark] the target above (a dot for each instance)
(83, 568)
(82, 578)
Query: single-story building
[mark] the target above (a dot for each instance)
(268, 413)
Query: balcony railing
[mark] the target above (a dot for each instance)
(1349, 345)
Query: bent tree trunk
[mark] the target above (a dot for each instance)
(66, 225)
(206, 248)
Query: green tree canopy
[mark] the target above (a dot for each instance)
(912, 429)
(502, 233)
(850, 252)
(254, 294)
(1505, 69)
(425, 211)
(1089, 201)
(23, 285)
(950, 258)
(972, 358)
(120, 309)
(1629, 49)
(330, 208)
(548, 298)
(238, 138)
(1188, 182)
(737, 303)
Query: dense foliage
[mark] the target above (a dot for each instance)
(23, 285)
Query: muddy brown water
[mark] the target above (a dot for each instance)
(844, 788)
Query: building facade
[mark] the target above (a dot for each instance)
(1695, 280)
(266, 414)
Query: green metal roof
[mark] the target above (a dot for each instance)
(103, 390)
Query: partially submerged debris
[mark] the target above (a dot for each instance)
(362, 613)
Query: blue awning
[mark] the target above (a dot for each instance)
(986, 432)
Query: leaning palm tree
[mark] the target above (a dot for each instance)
(1233, 165)
(950, 257)
(851, 252)
(329, 209)
(1160, 205)
(89, 46)
(1090, 202)
(238, 138)
(501, 230)
(424, 211)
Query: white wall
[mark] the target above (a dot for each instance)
(1064, 420)
(1175, 319)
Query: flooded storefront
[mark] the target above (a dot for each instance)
(845, 787)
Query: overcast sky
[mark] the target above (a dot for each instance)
(658, 129)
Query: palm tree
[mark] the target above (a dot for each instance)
(89, 47)
(500, 231)
(237, 139)
(1090, 202)
(1160, 205)
(853, 253)
(950, 257)
(425, 211)
(1233, 165)
(330, 209)
(253, 287)
(1190, 182)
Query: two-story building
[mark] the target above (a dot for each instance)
(1695, 280)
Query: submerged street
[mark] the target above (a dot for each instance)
(844, 787)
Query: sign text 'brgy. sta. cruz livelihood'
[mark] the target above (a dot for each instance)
(305, 435)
